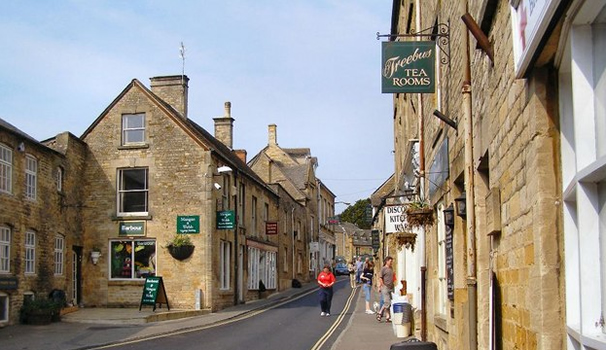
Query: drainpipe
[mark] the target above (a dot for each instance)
(472, 287)
(292, 234)
(422, 188)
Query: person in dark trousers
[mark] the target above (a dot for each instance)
(326, 280)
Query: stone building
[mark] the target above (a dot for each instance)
(295, 170)
(509, 142)
(40, 228)
(153, 174)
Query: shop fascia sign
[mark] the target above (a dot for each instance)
(395, 218)
(131, 228)
(529, 20)
(408, 66)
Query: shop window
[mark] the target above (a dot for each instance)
(4, 307)
(253, 268)
(5, 249)
(132, 259)
(133, 191)
(133, 129)
(225, 260)
(6, 169)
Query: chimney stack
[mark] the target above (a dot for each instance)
(224, 127)
(273, 134)
(173, 89)
(241, 153)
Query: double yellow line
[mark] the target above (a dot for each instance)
(318, 345)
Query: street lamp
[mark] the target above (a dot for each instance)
(461, 203)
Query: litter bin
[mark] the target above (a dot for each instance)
(398, 313)
(402, 318)
(414, 344)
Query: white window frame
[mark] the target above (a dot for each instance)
(129, 259)
(6, 169)
(129, 130)
(30, 252)
(253, 268)
(5, 249)
(583, 153)
(225, 265)
(122, 192)
(31, 177)
(59, 255)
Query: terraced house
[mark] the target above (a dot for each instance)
(511, 162)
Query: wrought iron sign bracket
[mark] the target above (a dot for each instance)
(441, 31)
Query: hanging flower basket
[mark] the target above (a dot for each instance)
(406, 239)
(180, 247)
(419, 217)
(181, 252)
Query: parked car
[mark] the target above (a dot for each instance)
(341, 269)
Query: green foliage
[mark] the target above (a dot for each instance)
(180, 240)
(358, 214)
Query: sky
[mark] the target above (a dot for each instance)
(311, 67)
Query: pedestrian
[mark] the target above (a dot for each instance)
(326, 280)
(386, 288)
(367, 275)
(359, 269)
(352, 274)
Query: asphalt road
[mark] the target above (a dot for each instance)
(293, 325)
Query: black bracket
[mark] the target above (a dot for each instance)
(441, 31)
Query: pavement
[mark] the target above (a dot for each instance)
(89, 328)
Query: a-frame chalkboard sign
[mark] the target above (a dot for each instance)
(154, 293)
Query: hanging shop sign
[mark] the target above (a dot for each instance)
(271, 228)
(374, 234)
(188, 224)
(408, 66)
(395, 218)
(530, 20)
(226, 220)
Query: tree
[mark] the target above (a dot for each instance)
(358, 214)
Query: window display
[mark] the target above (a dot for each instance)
(133, 259)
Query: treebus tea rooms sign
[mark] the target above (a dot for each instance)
(408, 66)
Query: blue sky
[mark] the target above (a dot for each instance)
(310, 67)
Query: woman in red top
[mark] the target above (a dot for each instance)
(326, 280)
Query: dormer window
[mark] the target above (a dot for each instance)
(133, 129)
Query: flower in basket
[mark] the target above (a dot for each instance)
(180, 240)
(419, 214)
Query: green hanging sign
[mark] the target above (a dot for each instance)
(226, 220)
(408, 67)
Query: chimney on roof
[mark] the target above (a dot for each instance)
(272, 134)
(173, 89)
(224, 127)
(241, 153)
